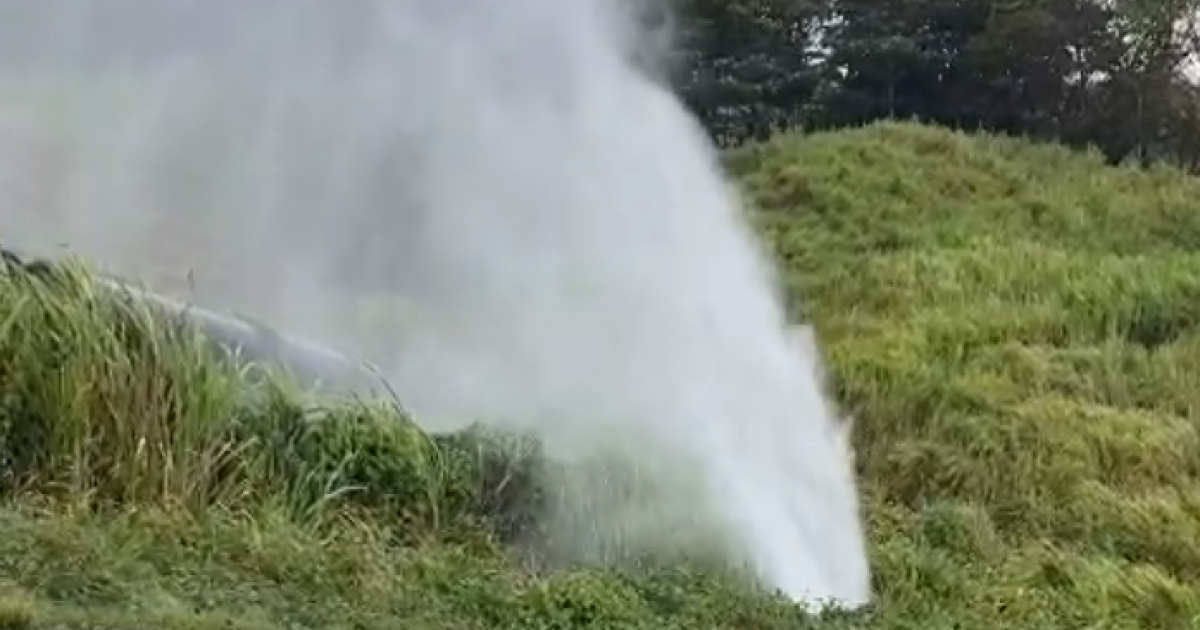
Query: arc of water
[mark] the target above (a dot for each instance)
(314, 364)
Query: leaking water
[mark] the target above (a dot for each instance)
(488, 199)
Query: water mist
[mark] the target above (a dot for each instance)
(542, 230)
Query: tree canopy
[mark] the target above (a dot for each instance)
(1113, 74)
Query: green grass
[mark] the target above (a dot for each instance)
(1016, 329)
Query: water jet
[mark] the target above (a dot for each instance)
(558, 225)
(317, 367)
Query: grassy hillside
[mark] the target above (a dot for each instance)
(1015, 328)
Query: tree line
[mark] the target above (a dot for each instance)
(1118, 75)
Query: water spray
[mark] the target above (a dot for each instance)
(317, 367)
(554, 221)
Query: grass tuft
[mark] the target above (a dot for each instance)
(18, 610)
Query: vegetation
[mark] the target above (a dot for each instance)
(1015, 327)
(1116, 74)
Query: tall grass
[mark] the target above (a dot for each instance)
(108, 401)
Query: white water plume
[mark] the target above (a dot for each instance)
(541, 231)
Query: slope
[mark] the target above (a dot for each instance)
(1013, 326)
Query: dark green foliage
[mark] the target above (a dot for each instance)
(1115, 75)
(747, 70)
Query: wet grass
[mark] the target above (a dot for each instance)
(1014, 328)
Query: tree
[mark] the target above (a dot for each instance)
(1007, 65)
(751, 66)
(1108, 73)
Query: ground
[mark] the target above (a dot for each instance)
(1015, 327)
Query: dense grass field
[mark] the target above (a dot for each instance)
(1016, 329)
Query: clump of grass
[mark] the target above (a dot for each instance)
(100, 400)
(106, 400)
(18, 610)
